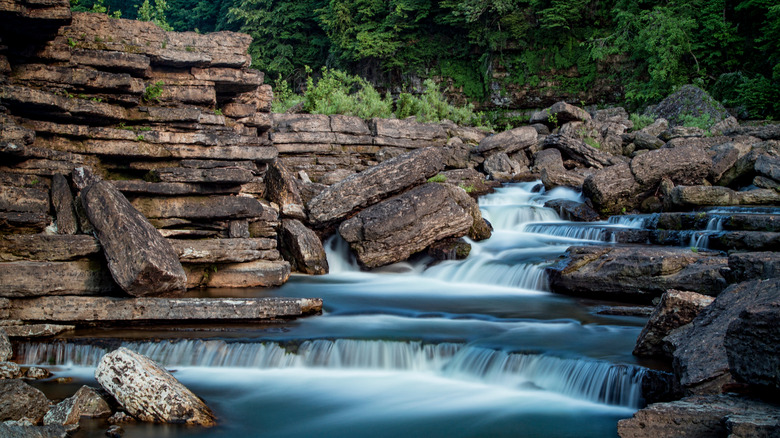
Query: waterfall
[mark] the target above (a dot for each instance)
(596, 381)
(701, 239)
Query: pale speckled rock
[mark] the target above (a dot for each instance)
(149, 392)
(5, 347)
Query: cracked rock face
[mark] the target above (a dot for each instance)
(148, 392)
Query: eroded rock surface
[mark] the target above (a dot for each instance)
(676, 309)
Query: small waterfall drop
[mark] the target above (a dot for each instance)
(591, 380)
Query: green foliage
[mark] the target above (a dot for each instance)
(155, 14)
(552, 118)
(97, 7)
(337, 92)
(152, 92)
(641, 121)
(592, 142)
(438, 178)
(431, 106)
(468, 188)
(702, 121)
(284, 97)
(218, 112)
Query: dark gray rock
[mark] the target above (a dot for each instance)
(580, 151)
(612, 189)
(19, 400)
(636, 273)
(685, 165)
(699, 416)
(751, 343)
(700, 358)
(302, 248)
(689, 100)
(754, 265)
(374, 184)
(62, 199)
(22, 430)
(676, 309)
(398, 227)
(141, 261)
(643, 140)
(573, 210)
(449, 249)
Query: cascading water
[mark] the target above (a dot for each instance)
(468, 348)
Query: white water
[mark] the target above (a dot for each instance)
(471, 348)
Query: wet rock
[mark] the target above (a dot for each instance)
(398, 227)
(754, 265)
(751, 344)
(699, 416)
(636, 273)
(560, 112)
(374, 184)
(85, 403)
(46, 247)
(136, 382)
(141, 261)
(6, 352)
(10, 370)
(303, 248)
(20, 429)
(449, 249)
(19, 400)
(508, 142)
(612, 189)
(115, 431)
(28, 279)
(121, 417)
(676, 309)
(700, 358)
(573, 210)
(689, 101)
(36, 373)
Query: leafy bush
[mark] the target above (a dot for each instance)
(153, 92)
(703, 121)
(438, 178)
(641, 121)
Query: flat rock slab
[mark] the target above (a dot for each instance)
(702, 416)
(204, 207)
(374, 184)
(141, 261)
(148, 392)
(47, 247)
(224, 250)
(258, 273)
(36, 330)
(636, 273)
(30, 279)
(110, 310)
(220, 175)
(173, 189)
(398, 227)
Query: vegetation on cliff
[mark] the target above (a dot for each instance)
(646, 48)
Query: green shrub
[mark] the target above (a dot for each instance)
(641, 121)
(703, 121)
(153, 92)
(592, 142)
(439, 178)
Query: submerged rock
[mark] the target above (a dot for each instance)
(149, 392)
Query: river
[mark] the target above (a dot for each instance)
(473, 348)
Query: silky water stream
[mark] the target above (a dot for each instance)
(473, 348)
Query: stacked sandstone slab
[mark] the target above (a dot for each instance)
(96, 110)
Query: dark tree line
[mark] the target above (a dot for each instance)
(731, 48)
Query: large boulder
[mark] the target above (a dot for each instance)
(19, 400)
(85, 403)
(754, 265)
(500, 167)
(612, 189)
(148, 392)
(700, 357)
(636, 273)
(751, 343)
(560, 113)
(686, 165)
(398, 227)
(141, 261)
(303, 248)
(676, 309)
(689, 101)
(282, 189)
(374, 184)
(580, 151)
(508, 142)
(703, 416)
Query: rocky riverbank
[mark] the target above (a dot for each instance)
(139, 164)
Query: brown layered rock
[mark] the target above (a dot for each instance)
(282, 189)
(303, 248)
(612, 189)
(684, 165)
(62, 200)
(508, 142)
(136, 382)
(636, 273)
(86, 402)
(46, 247)
(580, 151)
(676, 309)
(257, 273)
(140, 260)
(687, 196)
(224, 250)
(24, 199)
(560, 113)
(500, 167)
(372, 185)
(398, 227)
(219, 175)
(700, 357)
(30, 279)
(572, 210)
(20, 330)
(112, 310)
(19, 400)
(703, 416)
(407, 133)
(202, 207)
